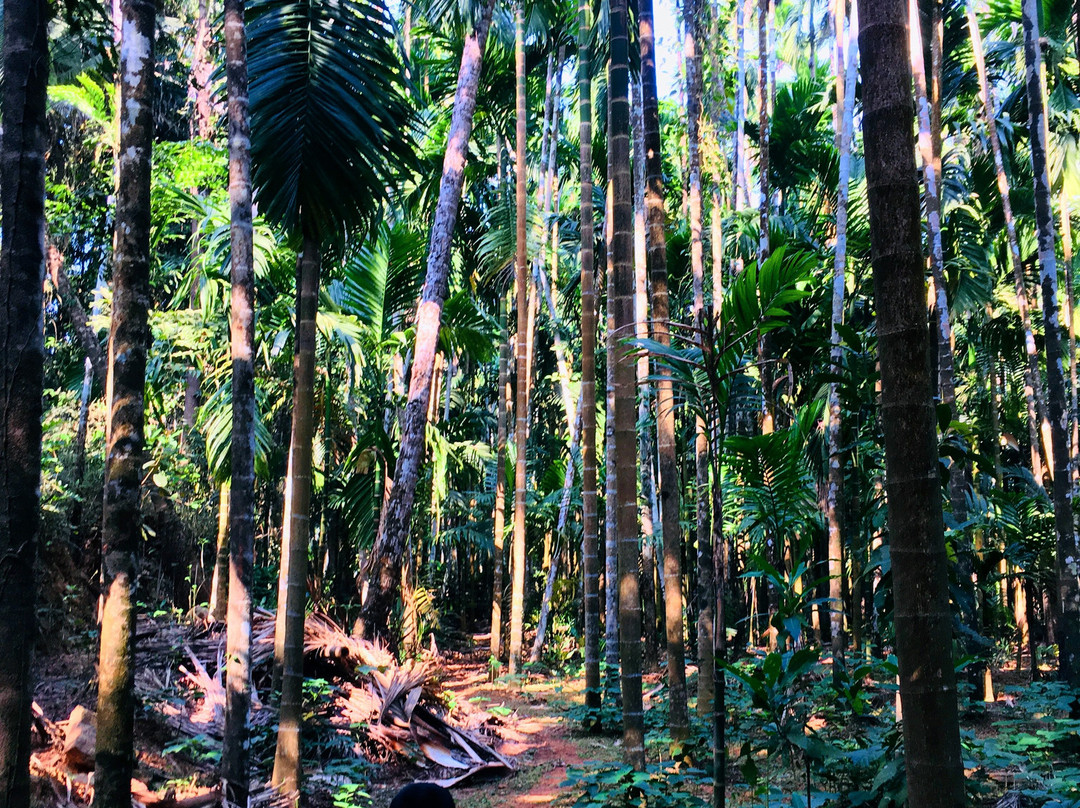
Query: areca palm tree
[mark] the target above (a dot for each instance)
(1068, 565)
(384, 569)
(22, 266)
(330, 118)
(234, 754)
(668, 474)
(919, 564)
(129, 338)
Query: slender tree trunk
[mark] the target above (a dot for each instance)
(22, 273)
(648, 504)
(503, 406)
(740, 193)
(1070, 317)
(720, 552)
(383, 570)
(235, 763)
(611, 467)
(1067, 629)
(219, 584)
(763, 130)
(923, 618)
(848, 67)
(129, 339)
(706, 596)
(622, 306)
(668, 472)
(81, 323)
(1033, 394)
(292, 580)
(590, 551)
(943, 332)
(521, 406)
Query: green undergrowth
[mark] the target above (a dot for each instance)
(800, 734)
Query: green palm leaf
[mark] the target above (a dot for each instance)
(330, 119)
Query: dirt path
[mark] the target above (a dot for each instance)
(538, 732)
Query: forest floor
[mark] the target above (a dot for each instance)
(535, 721)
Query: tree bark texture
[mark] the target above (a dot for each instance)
(835, 482)
(502, 405)
(22, 273)
(590, 550)
(235, 763)
(1067, 629)
(383, 571)
(129, 339)
(763, 130)
(923, 618)
(622, 306)
(521, 358)
(706, 595)
(219, 583)
(668, 481)
(296, 533)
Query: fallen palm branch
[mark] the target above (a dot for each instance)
(395, 709)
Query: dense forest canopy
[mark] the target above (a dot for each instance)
(366, 362)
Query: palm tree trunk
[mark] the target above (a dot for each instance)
(502, 405)
(919, 564)
(235, 755)
(740, 193)
(848, 68)
(1070, 317)
(706, 595)
(720, 553)
(648, 504)
(763, 131)
(1033, 393)
(292, 580)
(129, 337)
(611, 467)
(622, 306)
(219, 584)
(946, 382)
(521, 407)
(590, 550)
(1067, 629)
(668, 472)
(383, 569)
(22, 273)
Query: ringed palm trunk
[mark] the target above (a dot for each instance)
(668, 472)
(834, 491)
(219, 584)
(292, 581)
(919, 563)
(384, 569)
(1033, 393)
(622, 305)
(22, 272)
(648, 504)
(521, 407)
(740, 193)
(503, 406)
(763, 129)
(706, 586)
(129, 338)
(929, 150)
(235, 757)
(590, 549)
(1067, 630)
(611, 468)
